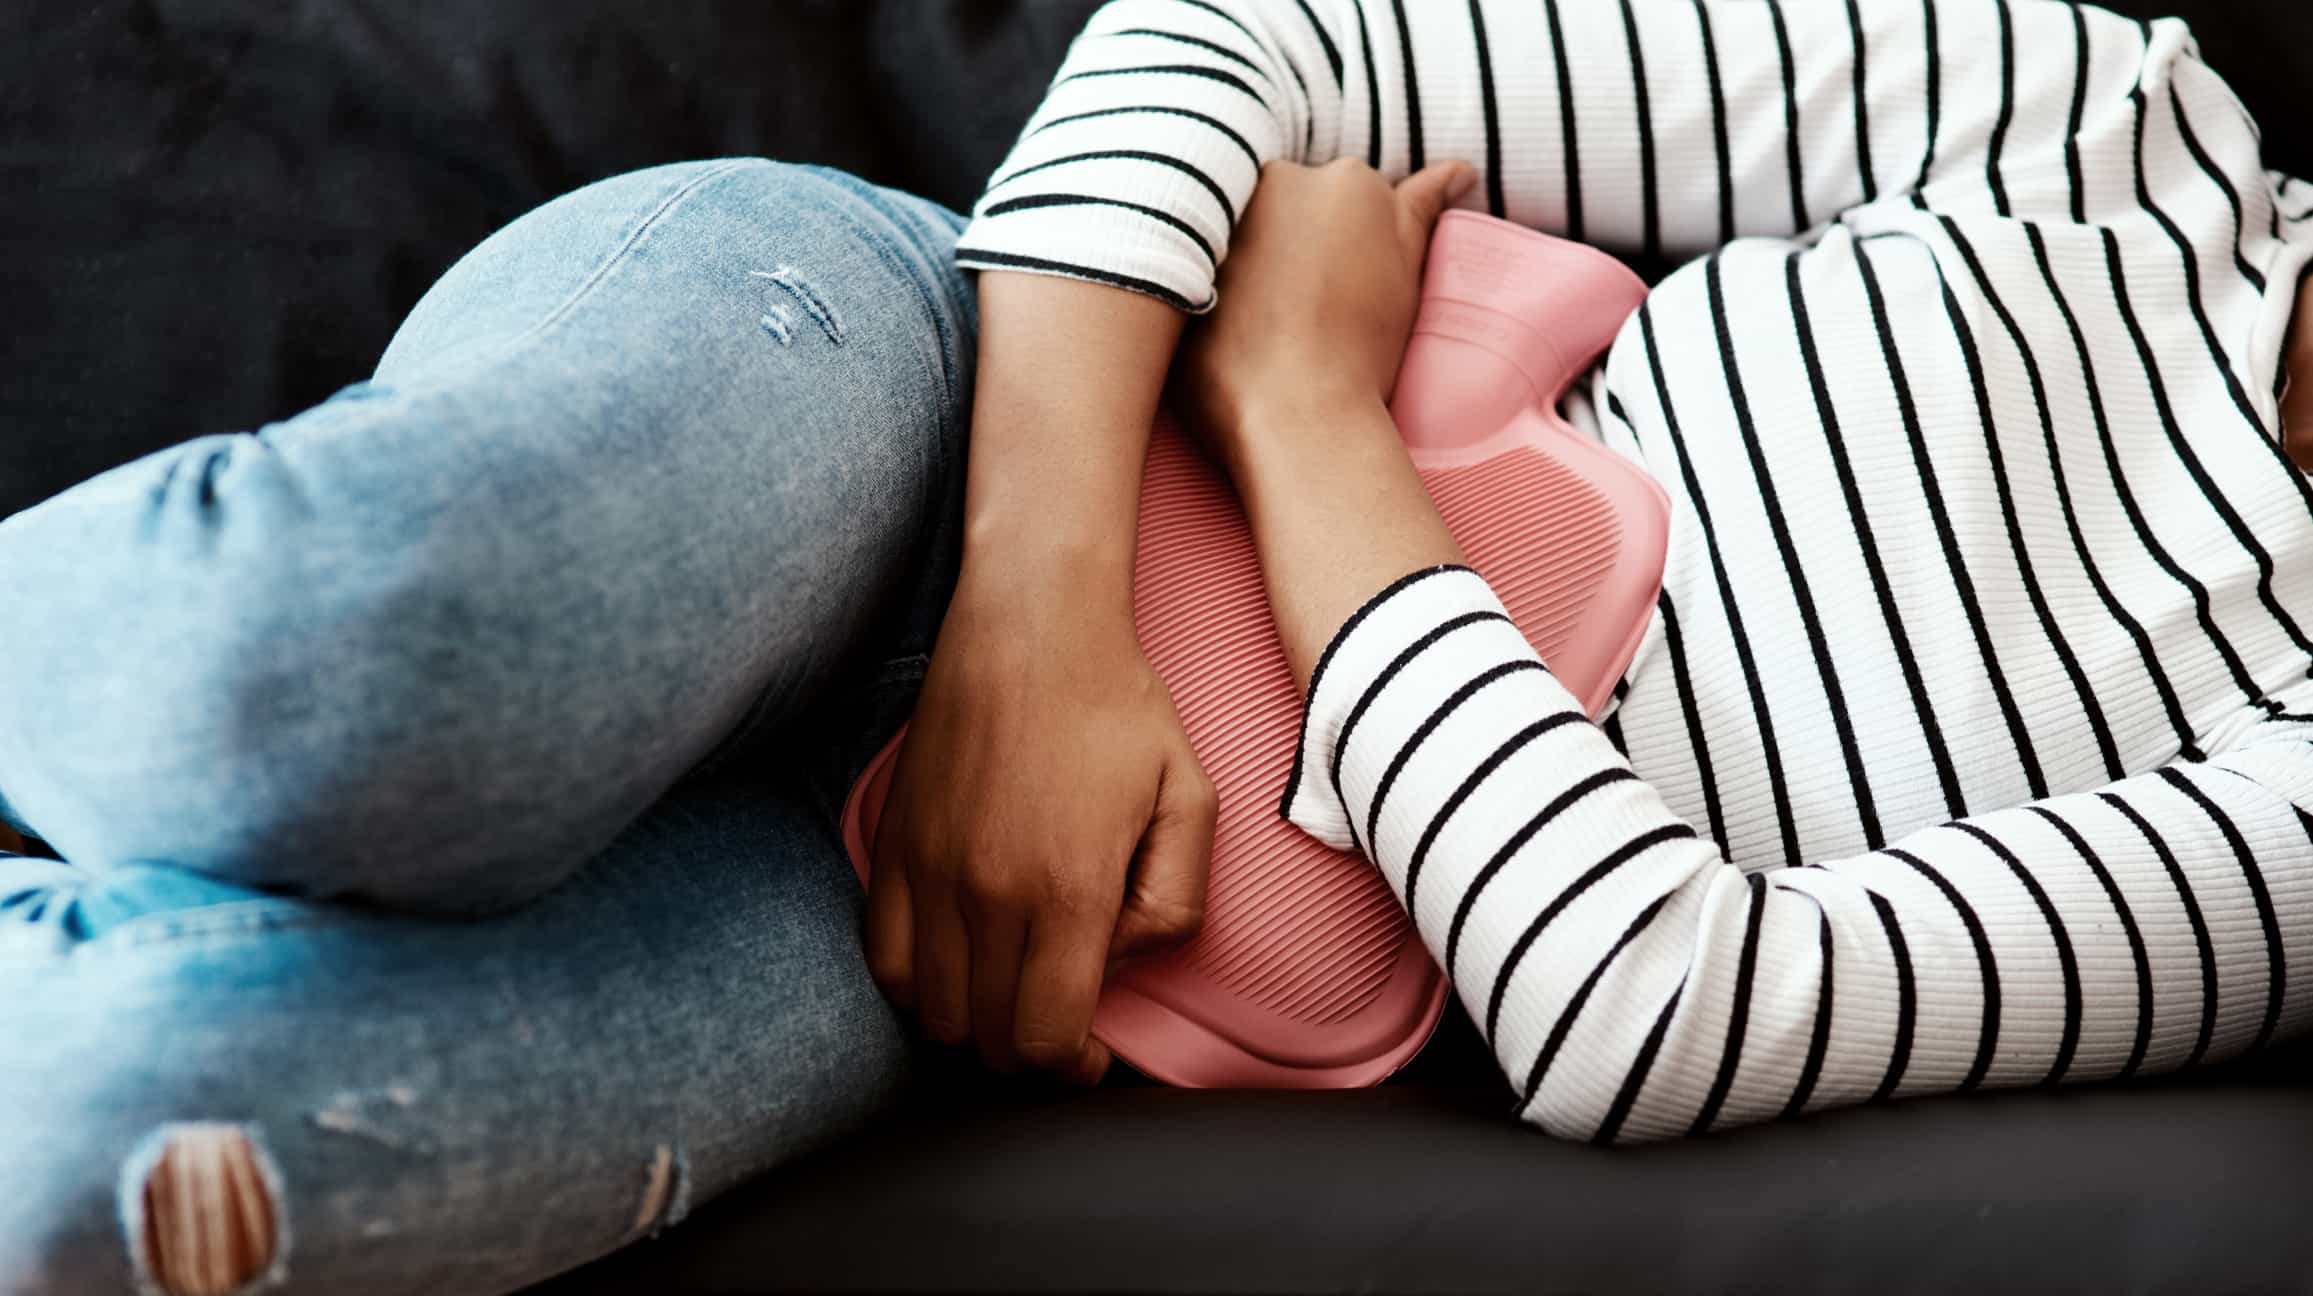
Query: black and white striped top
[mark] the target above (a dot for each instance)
(1972, 743)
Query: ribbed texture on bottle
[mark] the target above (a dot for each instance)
(1498, 508)
(1302, 931)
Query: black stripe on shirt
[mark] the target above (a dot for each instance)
(1635, 1080)
(1501, 858)
(1615, 859)
(2209, 168)
(2192, 907)
(2112, 605)
(1718, 125)
(2270, 436)
(2095, 393)
(1324, 38)
(1381, 681)
(1475, 780)
(2079, 115)
(1493, 110)
(2197, 298)
(2007, 117)
(1906, 999)
(1818, 1039)
(1198, 42)
(1011, 260)
(1770, 751)
(1325, 659)
(1574, 1004)
(2067, 962)
(1739, 1014)
(1955, 563)
(1189, 169)
(1416, 154)
(1569, 136)
(2166, 411)
(1229, 79)
(1791, 160)
(1989, 1035)
(1308, 119)
(1225, 16)
(1835, 440)
(1697, 740)
(2276, 958)
(1159, 215)
(1862, 105)
(1996, 459)
(1650, 191)
(2202, 607)
(1611, 726)
(1866, 811)
(1429, 725)
(1243, 144)
(2128, 927)
(1372, 90)
(1933, 39)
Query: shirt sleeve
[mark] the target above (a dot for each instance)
(1653, 127)
(1634, 984)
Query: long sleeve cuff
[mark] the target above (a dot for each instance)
(1444, 623)
(1084, 243)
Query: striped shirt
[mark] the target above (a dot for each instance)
(1972, 741)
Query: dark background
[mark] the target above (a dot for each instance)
(213, 212)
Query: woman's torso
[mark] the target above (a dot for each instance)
(1930, 554)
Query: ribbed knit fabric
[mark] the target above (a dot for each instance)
(1972, 743)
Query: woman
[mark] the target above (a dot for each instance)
(1967, 746)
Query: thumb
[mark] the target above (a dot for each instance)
(1424, 196)
(1165, 899)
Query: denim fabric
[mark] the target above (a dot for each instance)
(445, 777)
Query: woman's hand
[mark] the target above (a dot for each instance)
(1054, 820)
(1047, 816)
(1289, 384)
(1317, 299)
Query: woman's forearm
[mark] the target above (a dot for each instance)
(1068, 382)
(1336, 517)
(1045, 767)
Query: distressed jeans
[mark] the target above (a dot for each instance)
(445, 778)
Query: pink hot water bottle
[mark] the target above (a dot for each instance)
(1307, 974)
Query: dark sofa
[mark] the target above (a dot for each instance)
(216, 211)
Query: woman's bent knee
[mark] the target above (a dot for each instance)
(437, 640)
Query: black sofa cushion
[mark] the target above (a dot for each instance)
(2197, 1186)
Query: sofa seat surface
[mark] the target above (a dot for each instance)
(2195, 1185)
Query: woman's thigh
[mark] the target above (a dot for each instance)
(439, 1105)
(645, 473)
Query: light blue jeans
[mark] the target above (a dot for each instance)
(445, 778)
